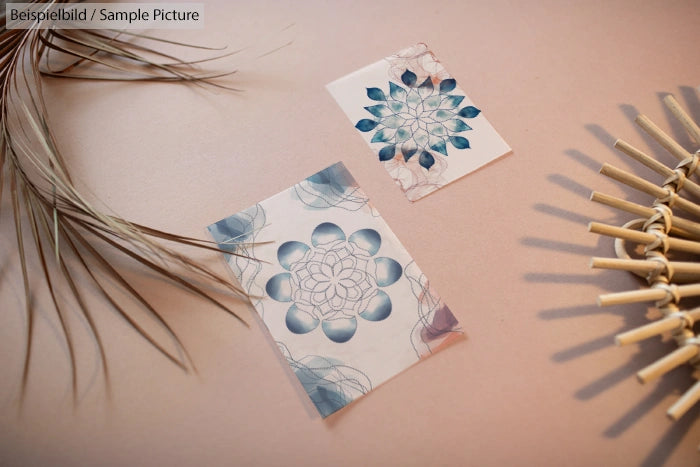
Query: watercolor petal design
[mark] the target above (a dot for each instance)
(340, 330)
(379, 307)
(426, 160)
(367, 239)
(388, 271)
(326, 233)
(279, 287)
(419, 114)
(299, 321)
(333, 281)
(290, 252)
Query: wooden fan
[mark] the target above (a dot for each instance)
(670, 225)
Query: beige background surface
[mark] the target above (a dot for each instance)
(537, 381)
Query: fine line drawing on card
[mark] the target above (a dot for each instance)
(418, 122)
(338, 292)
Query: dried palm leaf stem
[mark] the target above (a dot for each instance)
(54, 224)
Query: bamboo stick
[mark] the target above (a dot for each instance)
(676, 244)
(654, 328)
(690, 126)
(679, 226)
(644, 295)
(667, 363)
(662, 138)
(645, 266)
(645, 186)
(688, 185)
(685, 402)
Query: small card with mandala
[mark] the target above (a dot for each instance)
(418, 121)
(343, 299)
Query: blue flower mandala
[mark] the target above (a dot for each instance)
(333, 281)
(418, 119)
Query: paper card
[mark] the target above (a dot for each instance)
(343, 299)
(418, 122)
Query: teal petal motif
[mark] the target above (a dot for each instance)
(279, 287)
(409, 78)
(442, 115)
(432, 102)
(408, 152)
(452, 102)
(378, 308)
(326, 233)
(388, 270)
(366, 125)
(413, 99)
(420, 118)
(456, 125)
(437, 129)
(469, 112)
(438, 146)
(421, 138)
(367, 239)
(376, 94)
(380, 110)
(398, 107)
(300, 322)
(387, 152)
(393, 121)
(402, 134)
(397, 92)
(289, 252)
(426, 88)
(426, 160)
(447, 85)
(459, 142)
(383, 135)
(340, 330)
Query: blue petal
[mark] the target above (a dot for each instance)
(290, 252)
(340, 330)
(408, 152)
(469, 112)
(380, 110)
(326, 233)
(300, 322)
(279, 287)
(457, 125)
(376, 94)
(384, 135)
(367, 239)
(453, 101)
(440, 147)
(378, 308)
(402, 134)
(447, 85)
(366, 124)
(459, 142)
(426, 87)
(409, 78)
(426, 159)
(397, 92)
(388, 270)
(387, 152)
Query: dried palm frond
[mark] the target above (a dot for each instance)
(55, 224)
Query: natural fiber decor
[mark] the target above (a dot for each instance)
(661, 231)
(72, 240)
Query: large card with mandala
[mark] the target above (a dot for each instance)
(343, 299)
(417, 120)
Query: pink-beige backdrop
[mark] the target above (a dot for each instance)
(537, 381)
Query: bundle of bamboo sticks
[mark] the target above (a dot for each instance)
(661, 231)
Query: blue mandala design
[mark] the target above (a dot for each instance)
(333, 281)
(417, 119)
